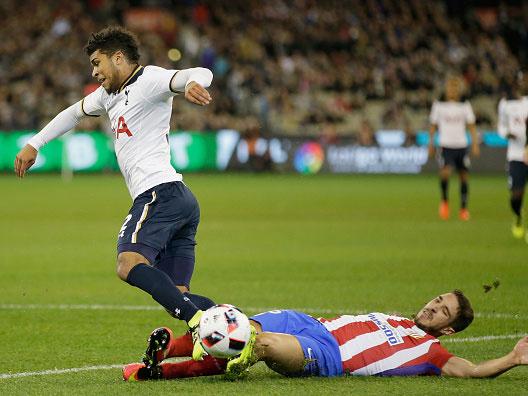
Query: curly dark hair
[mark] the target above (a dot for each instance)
(112, 39)
(465, 315)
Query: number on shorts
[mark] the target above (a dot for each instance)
(124, 226)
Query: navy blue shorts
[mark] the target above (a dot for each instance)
(517, 174)
(320, 348)
(456, 158)
(161, 226)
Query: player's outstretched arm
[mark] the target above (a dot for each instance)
(458, 367)
(193, 82)
(197, 94)
(475, 148)
(25, 160)
(62, 123)
(431, 150)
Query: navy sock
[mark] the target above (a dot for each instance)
(201, 302)
(443, 188)
(516, 204)
(160, 287)
(463, 194)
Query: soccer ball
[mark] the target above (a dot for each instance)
(224, 331)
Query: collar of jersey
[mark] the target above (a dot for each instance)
(138, 71)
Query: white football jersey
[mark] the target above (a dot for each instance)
(139, 114)
(512, 121)
(451, 119)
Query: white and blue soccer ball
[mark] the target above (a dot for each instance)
(224, 331)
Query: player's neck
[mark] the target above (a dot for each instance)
(126, 72)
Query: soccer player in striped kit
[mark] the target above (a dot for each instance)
(156, 243)
(450, 118)
(295, 344)
(513, 115)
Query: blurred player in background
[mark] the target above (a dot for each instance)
(513, 116)
(156, 243)
(295, 344)
(450, 117)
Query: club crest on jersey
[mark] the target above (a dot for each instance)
(121, 128)
(391, 334)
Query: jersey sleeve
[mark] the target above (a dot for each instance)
(433, 117)
(470, 116)
(438, 355)
(92, 105)
(159, 80)
(165, 82)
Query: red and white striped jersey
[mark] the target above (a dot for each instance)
(380, 344)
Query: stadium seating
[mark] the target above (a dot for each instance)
(292, 67)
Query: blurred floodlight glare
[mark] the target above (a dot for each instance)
(174, 54)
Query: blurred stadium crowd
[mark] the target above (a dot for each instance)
(283, 67)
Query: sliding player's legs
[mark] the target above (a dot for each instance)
(290, 343)
(282, 353)
(295, 344)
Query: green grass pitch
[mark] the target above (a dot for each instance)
(324, 244)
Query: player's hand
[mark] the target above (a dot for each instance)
(25, 159)
(475, 150)
(197, 94)
(525, 157)
(431, 151)
(521, 351)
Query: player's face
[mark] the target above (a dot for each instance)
(105, 71)
(453, 90)
(437, 314)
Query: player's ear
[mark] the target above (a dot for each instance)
(118, 57)
(447, 331)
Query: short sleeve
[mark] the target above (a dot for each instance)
(92, 104)
(438, 355)
(470, 116)
(158, 81)
(433, 117)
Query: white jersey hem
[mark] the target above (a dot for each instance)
(156, 181)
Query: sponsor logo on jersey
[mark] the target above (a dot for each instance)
(391, 334)
(121, 128)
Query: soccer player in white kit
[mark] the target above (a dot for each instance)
(450, 118)
(513, 116)
(156, 241)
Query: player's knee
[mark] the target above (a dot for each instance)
(266, 345)
(126, 261)
(279, 354)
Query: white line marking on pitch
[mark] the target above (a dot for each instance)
(59, 371)
(110, 307)
(484, 338)
(113, 366)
